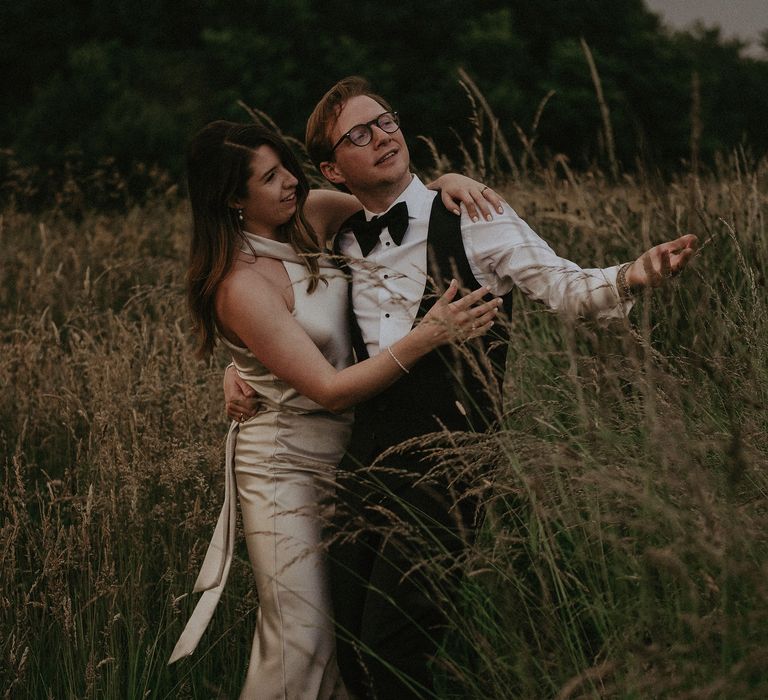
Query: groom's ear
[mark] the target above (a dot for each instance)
(330, 172)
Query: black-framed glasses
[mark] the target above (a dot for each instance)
(361, 134)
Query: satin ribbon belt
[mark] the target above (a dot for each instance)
(218, 560)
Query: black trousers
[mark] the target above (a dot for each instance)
(392, 559)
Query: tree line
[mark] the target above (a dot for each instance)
(130, 81)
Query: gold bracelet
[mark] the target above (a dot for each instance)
(621, 282)
(399, 364)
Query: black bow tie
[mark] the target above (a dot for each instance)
(368, 232)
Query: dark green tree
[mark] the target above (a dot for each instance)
(131, 81)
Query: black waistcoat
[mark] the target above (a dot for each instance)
(445, 389)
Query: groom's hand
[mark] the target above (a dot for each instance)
(239, 397)
(661, 262)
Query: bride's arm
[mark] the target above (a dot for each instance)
(273, 335)
(327, 210)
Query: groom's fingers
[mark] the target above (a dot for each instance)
(689, 240)
(243, 408)
(245, 389)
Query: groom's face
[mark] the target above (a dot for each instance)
(383, 162)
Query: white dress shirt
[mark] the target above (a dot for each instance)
(389, 283)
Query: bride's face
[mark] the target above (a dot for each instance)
(271, 193)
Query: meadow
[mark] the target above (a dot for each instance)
(624, 552)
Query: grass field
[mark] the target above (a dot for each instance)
(625, 551)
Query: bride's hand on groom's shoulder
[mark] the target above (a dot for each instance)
(477, 198)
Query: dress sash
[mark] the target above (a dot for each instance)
(218, 560)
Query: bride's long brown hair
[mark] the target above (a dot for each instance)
(218, 169)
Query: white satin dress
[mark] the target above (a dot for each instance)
(281, 464)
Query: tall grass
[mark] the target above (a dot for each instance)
(111, 441)
(624, 551)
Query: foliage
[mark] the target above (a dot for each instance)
(95, 80)
(624, 552)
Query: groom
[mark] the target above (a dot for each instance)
(388, 619)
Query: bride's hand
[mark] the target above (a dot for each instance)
(465, 318)
(476, 197)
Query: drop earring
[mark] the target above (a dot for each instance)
(240, 215)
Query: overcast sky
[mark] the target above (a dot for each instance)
(742, 18)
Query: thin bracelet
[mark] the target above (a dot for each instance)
(621, 281)
(399, 364)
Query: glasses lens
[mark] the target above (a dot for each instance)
(388, 122)
(360, 135)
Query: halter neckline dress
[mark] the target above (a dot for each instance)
(280, 465)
